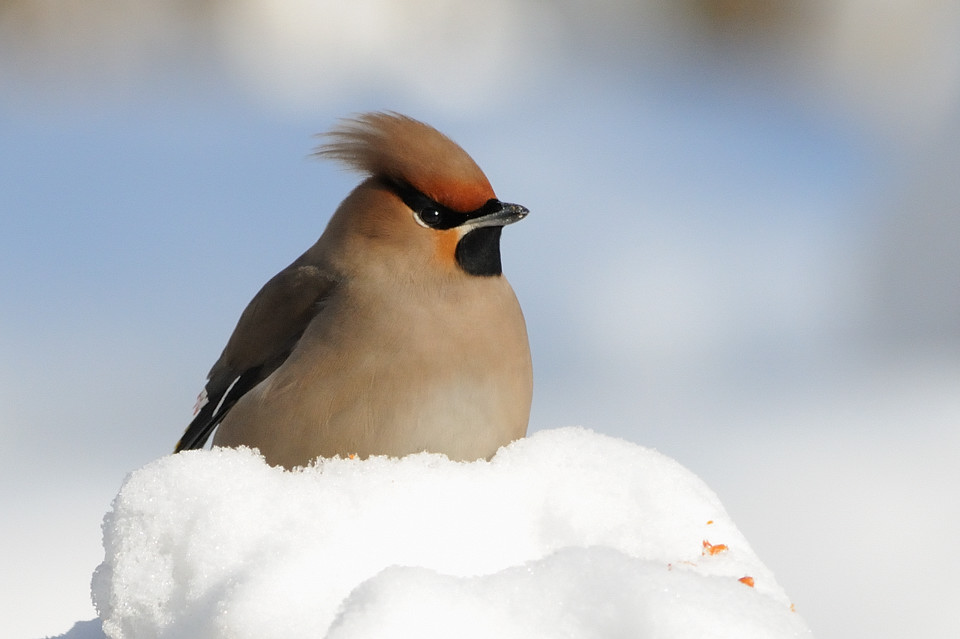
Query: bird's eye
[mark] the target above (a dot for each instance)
(430, 216)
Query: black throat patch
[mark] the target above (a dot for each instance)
(478, 252)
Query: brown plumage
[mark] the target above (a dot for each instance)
(396, 332)
(401, 148)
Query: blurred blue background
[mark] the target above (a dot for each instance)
(743, 250)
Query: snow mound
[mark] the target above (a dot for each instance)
(565, 533)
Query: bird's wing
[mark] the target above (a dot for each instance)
(268, 330)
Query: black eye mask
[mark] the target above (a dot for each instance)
(437, 216)
(478, 251)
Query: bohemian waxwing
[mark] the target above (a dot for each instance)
(396, 332)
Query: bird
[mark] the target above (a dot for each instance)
(396, 332)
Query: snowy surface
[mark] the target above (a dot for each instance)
(567, 533)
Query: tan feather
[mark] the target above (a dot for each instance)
(399, 148)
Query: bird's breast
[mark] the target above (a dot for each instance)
(392, 370)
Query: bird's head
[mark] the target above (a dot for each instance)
(423, 196)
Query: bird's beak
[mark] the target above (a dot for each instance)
(497, 213)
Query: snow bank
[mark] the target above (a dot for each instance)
(565, 533)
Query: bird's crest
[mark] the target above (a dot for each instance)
(404, 150)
